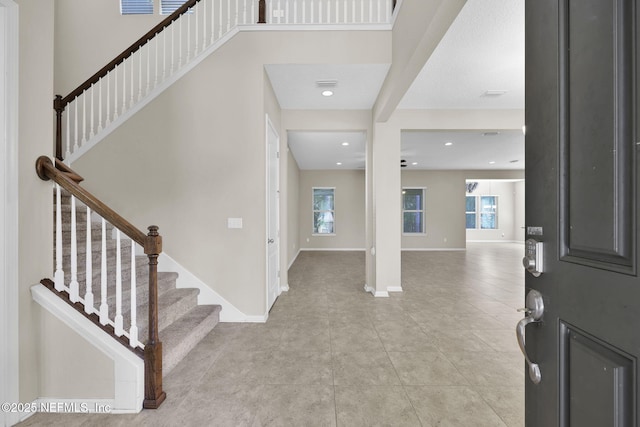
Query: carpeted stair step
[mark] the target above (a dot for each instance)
(183, 334)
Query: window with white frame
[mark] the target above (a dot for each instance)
(413, 210)
(324, 210)
(136, 7)
(481, 212)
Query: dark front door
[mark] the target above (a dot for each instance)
(581, 204)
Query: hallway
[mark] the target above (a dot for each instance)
(441, 353)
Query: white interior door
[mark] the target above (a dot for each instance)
(273, 201)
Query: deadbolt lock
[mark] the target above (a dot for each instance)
(533, 260)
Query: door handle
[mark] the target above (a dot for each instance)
(533, 314)
(270, 241)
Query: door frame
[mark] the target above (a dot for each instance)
(269, 127)
(9, 356)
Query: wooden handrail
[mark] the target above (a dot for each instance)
(68, 179)
(46, 171)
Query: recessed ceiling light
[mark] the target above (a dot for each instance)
(448, 144)
(414, 163)
(327, 93)
(492, 162)
(344, 144)
(339, 163)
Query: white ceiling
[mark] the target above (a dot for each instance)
(483, 50)
(322, 150)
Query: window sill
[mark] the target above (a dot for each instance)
(415, 234)
(323, 235)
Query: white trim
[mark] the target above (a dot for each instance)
(207, 296)
(394, 289)
(9, 193)
(377, 294)
(294, 260)
(334, 249)
(315, 27)
(128, 368)
(257, 319)
(269, 126)
(395, 12)
(495, 241)
(432, 249)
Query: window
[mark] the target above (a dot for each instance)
(482, 212)
(324, 211)
(167, 7)
(413, 210)
(136, 7)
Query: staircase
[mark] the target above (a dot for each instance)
(181, 322)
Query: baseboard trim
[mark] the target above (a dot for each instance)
(432, 249)
(128, 368)
(294, 259)
(394, 289)
(377, 294)
(207, 296)
(334, 249)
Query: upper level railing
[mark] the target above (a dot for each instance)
(104, 230)
(191, 32)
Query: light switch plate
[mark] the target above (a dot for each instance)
(234, 222)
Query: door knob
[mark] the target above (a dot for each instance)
(270, 241)
(533, 314)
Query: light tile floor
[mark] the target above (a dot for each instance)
(441, 353)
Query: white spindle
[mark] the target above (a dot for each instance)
(388, 12)
(173, 48)
(344, 18)
(131, 69)
(58, 276)
(115, 92)
(133, 331)
(253, 11)
(100, 103)
(180, 57)
(379, 16)
(155, 61)
(74, 287)
(84, 117)
(353, 11)
(312, 13)
(228, 16)
(204, 25)
(140, 74)
(88, 295)
(287, 17)
(244, 12)
(237, 11)
(370, 11)
(118, 319)
(197, 38)
(108, 99)
(213, 21)
(295, 12)
(68, 153)
(188, 35)
(279, 12)
(362, 11)
(164, 53)
(220, 19)
(75, 125)
(124, 86)
(337, 12)
(92, 133)
(104, 307)
(321, 9)
(304, 12)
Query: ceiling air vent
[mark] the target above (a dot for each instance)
(328, 83)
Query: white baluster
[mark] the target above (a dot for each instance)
(370, 11)
(133, 331)
(253, 11)
(387, 11)
(337, 12)
(197, 44)
(88, 295)
(155, 61)
(279, 12)
(244, 13)
(180, 56)
(100, 103)
(164, 53)
(108, 121)
(312, 13)
(118, 319)
(58, 276)
(140, 73)
(353, 11)
(379, 16)
(236, 14)
(115, 93)
(74, 287)
(188, 35)
(131, 70)
(344, 19)
(124, 86)
(228, 16)
(104, 307)
(173, 48)
(295, 12)
(213, 21)
(362, 11)
(204, 25)
(84, 117)
(75, 125)
(304, 12)
(220, 19)
(92, 134)
(287, 17)
(68, 153)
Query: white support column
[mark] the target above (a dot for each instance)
(387, 194)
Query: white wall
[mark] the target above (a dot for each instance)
(510, 210)
(293, 208)
(349, 209)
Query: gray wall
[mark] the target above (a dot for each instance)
(349, 204)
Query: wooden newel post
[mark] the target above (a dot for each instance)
(153, 393)
(262, 12)
(57, 105)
